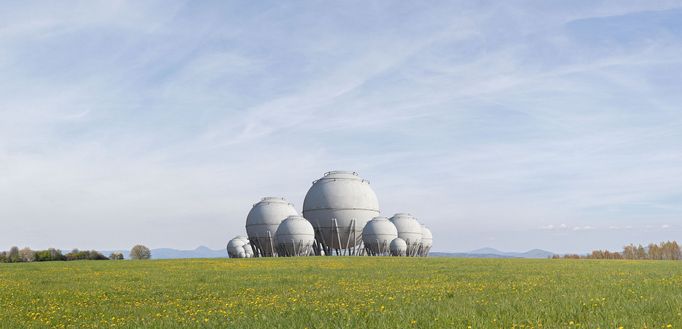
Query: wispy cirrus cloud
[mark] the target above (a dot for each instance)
(172, 118)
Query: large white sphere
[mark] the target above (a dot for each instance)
(398, 247)
(378, 234)
(295, 237)
(339, 205)
(409, 230)
(263, 220)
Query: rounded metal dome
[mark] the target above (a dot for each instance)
(408, 227)
(234, 243)
(398, 247)
(378, 234)
(263, 220)
(427, 237)
(243, 238)
(241, 253)
(409, 230)
(295, 227)
(339, 205)
(427, 241)
(295, 237)
(248, 250)
(235, 247)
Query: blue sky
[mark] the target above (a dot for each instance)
(509, 124)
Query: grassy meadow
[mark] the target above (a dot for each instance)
(342, 292)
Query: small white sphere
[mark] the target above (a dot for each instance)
(234, 247)
(427, 237)
(409, 230)
(426, 243)
(378, 234)
(241, 253)
(295, 236)
(248, 250)
(235, 243)
(398, 247)
(243, 238)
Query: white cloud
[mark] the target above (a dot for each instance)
(564, 227)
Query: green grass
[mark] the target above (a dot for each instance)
(340, 292)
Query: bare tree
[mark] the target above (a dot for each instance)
(630, 252)
(655, 252)
(676, 252)
(640, 253)
(670, 250)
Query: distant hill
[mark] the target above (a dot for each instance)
(466, 255)
(169, 253)
(494, 253)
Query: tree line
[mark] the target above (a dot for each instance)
(26, 255)
(668, 250)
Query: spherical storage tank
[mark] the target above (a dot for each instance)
(248, 251)
(426, 242)
(338, 205)
(295, 237)
(262, 222)
(247, 246)
(409, 230)
(236, 248)
(377, 236)
(398, 247)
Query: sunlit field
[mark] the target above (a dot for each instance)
(339, 292)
